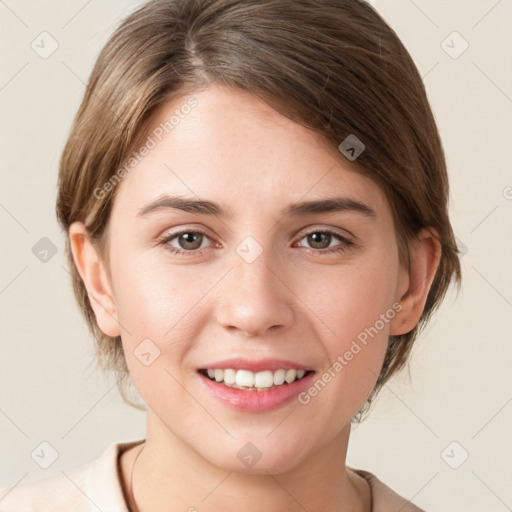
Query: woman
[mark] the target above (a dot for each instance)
(254, 195)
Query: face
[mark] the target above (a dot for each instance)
(251, 284)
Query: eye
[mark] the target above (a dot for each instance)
(321, 240)
(188, 242)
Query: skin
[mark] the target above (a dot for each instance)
(291, 303)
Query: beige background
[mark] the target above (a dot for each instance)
(460, 385)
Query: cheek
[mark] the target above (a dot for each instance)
(160, 303)
(353, 298)
(158, 310)
(357, 308)
(149, 295)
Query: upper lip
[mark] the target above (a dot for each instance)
(255, 365)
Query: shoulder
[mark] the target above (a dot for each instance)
(50, 493)
(384, 498)
(92, 486)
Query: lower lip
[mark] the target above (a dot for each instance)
(256, 401)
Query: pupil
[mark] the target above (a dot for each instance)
(323, 244)
(190, 238)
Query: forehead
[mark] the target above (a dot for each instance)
(233, 148)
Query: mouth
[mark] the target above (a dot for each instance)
(255, 386)
(247, 380)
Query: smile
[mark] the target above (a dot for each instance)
(255, 391)
(255, 381)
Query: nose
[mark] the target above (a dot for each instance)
(253, 299)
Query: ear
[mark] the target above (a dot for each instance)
(94, 276)
(414, 283)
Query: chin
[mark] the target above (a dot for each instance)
(257, 457)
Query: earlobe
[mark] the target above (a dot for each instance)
(94, 276)
(415, 284)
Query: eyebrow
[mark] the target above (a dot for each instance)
(202, 207)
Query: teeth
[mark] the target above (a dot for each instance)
(290, 376)
(279, 376)
(264, 379)
(229, 377)
(244, 379)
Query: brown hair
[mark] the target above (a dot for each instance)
(334, 66)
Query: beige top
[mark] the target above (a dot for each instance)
(96, 486)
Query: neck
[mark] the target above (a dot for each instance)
(170, 472)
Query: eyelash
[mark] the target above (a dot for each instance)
(344, 246)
